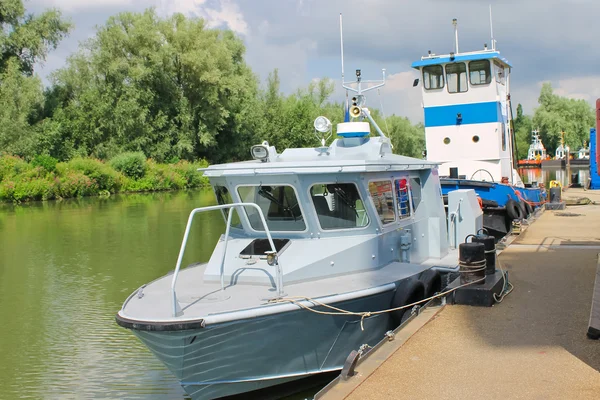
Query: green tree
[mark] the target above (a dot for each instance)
(169, 87)
(28, 38)
(522, 130)
(557, 113)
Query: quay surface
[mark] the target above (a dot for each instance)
(533, 345)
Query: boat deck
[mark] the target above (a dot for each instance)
(533, 345)
(202, 300)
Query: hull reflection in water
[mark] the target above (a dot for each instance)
(237, 357)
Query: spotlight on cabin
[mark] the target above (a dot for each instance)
(260, 152)
(452, 56)
(322, 124)
(485, 46)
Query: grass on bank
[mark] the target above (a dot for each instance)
(44, 178)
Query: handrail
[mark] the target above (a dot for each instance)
(279, 281)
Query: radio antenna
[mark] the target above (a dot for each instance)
(492, 30)
(342, 46)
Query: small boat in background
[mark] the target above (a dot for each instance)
(536, 153)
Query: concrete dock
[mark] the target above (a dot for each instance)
(533, 345)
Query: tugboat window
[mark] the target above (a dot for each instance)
(338, 206)
(446, 140)
(224, 197)
(279, 205)
(433, 77)
(479, 72)
(383, 198)
(456, 74)
(500, 77)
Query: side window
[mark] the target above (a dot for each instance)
(224, 197)
(433, 77)
(500, 77)
(338, 206)
(479, 72)
(279, 205)
(456, 74)
(383, 198)
(402, 198)
(415, 191)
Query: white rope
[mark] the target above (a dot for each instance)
(363, 314)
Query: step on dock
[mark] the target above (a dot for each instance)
(533, 345)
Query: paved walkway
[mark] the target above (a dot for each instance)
(531, 346)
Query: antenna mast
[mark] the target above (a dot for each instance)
(342, 46)
(455, 23)
(492, 30)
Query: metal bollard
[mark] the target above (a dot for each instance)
(471, 260)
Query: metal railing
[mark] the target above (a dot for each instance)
(279, 278)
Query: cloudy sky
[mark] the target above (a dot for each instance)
(545, 40)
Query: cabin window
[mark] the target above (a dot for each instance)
(433, 77)
(338, 206)
(479, 72)
(383, 198)
(279, 205)
(456, 74)
(415, 193)
(500, 75)
(224, 197)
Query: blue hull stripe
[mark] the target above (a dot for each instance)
(497, 192)
(474, 113)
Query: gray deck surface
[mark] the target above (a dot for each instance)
(199, 299)
(531, 346)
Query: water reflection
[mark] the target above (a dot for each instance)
(66, 268)
(576, 175)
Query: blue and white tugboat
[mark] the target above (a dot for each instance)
(468, 130)
(320, 244)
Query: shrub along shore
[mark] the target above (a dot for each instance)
(43, 178)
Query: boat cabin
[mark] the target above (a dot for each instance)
(467, 113)
(330, 210)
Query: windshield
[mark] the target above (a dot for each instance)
(279, 205)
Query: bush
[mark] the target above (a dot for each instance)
(20, 189)
(12, 165)
(76, 184)
(46, 162)
(132, 165)
(105, 177)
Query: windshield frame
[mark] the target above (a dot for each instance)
(247, 219)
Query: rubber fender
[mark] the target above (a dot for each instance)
(432, 282)
(513, 210)
(523, 209)
(529, 208)
(406, 294)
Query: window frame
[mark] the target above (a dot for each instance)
(391, 180)
(488, 76)
(357, 186)
(425, 81)
(411, 211)
(499, 67)
(303, 213)
(226, 211)
(458, 78)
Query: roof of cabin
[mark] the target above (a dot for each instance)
(374, 155)
(446, 58)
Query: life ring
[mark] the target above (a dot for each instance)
(432, 282)
(406, 294)
(513, 210)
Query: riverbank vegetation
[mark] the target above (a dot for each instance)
(44, 178)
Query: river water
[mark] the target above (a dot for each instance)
(66, 268)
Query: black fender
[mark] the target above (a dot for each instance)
(406, 294)
(432, 282)
(513, 210)
(529, 208)
(523, 208)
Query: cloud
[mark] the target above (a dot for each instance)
(71, 6)
(223, 13)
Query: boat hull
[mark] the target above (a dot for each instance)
(245, 355)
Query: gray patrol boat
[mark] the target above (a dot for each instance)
(318, 242)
